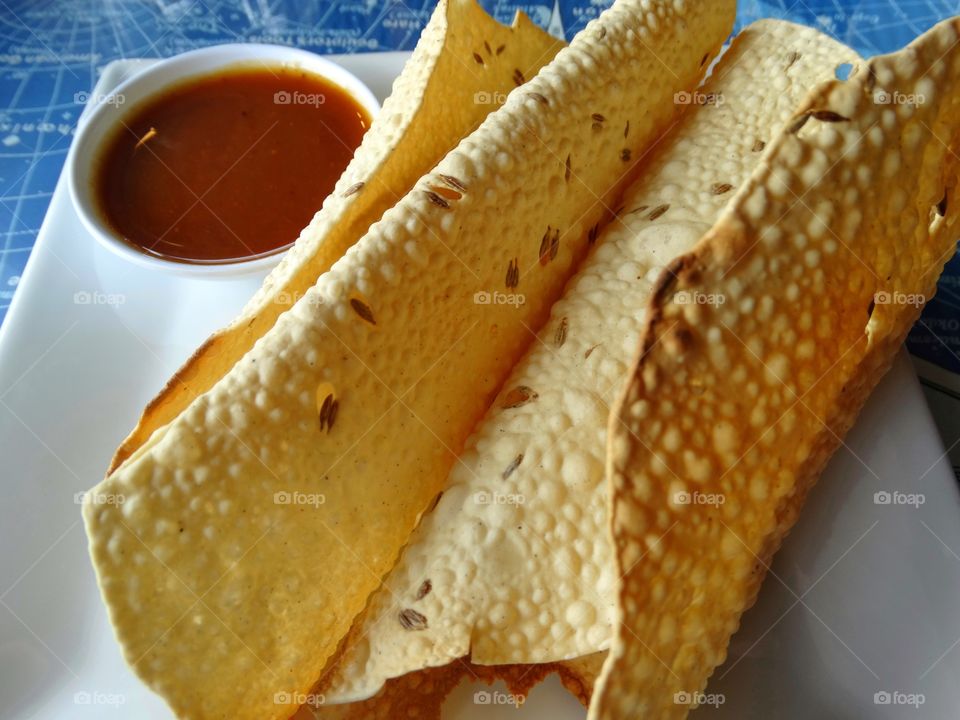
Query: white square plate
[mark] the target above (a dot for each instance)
(862, 602)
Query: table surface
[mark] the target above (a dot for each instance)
(52, 51)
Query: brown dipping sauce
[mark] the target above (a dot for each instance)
(261, 148)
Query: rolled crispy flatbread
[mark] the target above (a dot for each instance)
(514, 565)
(824, 259)
(258, 520)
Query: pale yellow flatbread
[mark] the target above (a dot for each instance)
(516, 553)
(823, 259)
(258, 521)
(461, 70)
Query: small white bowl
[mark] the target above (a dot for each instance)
(104, 115)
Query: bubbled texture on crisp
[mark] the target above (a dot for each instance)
(848, 205)
(520, 566)
(259, 520)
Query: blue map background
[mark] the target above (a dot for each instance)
(51, 52)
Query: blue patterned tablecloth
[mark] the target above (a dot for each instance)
(52, 50)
